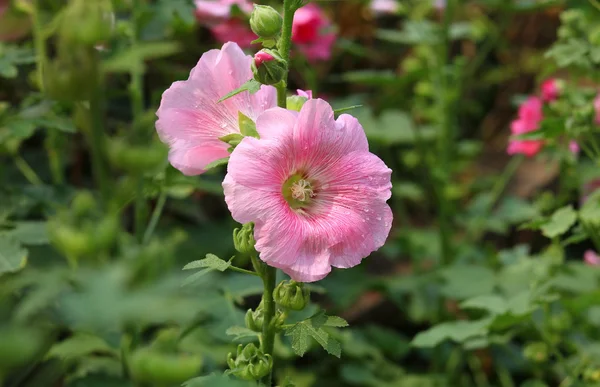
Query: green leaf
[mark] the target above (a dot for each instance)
(217, 163)
(13, 257)
(560, 222)
(252, 86)
(457, 331)
(79, 345)
(335, 321)
(241, 332)
(570, 52)
(491, 303)
(247, 126)
(208, 264)
(302, 332)
(30, 233)
(479, 278)
(345, 109)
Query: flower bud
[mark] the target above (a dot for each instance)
(250, 363)
(254, 319)
(136, 158)
(295, 102)
(536, 352)
(268, 67)
(265, 22)
(88, 22)
(243, 239)
(291, 295)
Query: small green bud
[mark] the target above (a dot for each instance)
(266, 22)
(295, 102)
(136, 158)
(243, 239)
(83, 204)
(291, 295)
(250, 363)
(254, 318)
(536, 352)
(88, 22)
(268, 67)
(561, 322)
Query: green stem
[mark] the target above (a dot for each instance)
(96, 137)
(27, 171)
(268, 333)
(39, 42)
(158, 209)
(285, 42)
(445, 140)
(140, 211)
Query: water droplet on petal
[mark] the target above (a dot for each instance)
(379, 218)
(223, 125)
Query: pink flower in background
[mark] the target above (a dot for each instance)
(309, 33)
(591, 258)
(597, 109)
(307, 94)
(315, 193)
(234, 30)
(574, 147)
(217, 11)
(529, 117)
(531, 110)
(191, 121)
(440, 5)
(383, 7)
(550, 90)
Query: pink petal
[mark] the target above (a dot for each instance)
(276, 122)
(190, 120)
(591, 258)
(529, 147)
(320, 139)
(307, 94)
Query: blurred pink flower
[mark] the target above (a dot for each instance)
(310, 33)
(591, 258)
(382, 7)
(531, 109)
(550, 89)
(212, 12)
(302, 93)
(315, 193)
(574, 147)
(529, 116)
(597, 109)
(234, 30)
(191, 121)
(440, 5)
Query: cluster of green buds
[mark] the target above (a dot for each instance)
(536, 352)
(291, 295)
(268, 67)
(592, 375)
(83, 230)
(250, 363)
(254, 319)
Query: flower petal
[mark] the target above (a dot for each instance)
(276, 123)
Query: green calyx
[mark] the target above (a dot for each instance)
(298, 191)
(243, 239)
(250, 363)
(291, 295)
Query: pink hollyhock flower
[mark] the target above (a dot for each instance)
(591, 258)
(550, 90)
(529, 117)
(217, 11)
(307, 94)
(315, 193)
(597, 109)
(531, 110)
(383, 7)
(234, 30)
(440, 5)
(191, 121)
(309, 33)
